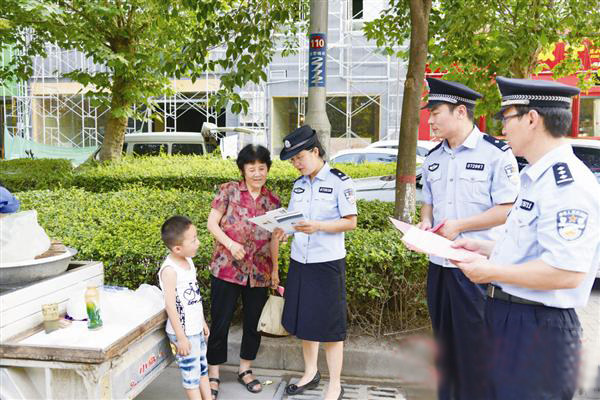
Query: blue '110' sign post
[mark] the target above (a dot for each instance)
(317, 57)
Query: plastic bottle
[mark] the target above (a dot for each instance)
(92, 306)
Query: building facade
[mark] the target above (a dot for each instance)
(364, 87)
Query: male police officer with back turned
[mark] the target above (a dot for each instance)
(544, 264)
(470, 181)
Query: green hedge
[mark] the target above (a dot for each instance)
(164, 172)
(27, 174)
(385, 282)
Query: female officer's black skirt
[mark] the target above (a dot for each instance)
(315, 301)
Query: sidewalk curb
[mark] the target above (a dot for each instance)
(364, 357)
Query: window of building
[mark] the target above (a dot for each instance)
(589, 116)
(357, 9)
(364, 122)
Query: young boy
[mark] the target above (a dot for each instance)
(186, 327)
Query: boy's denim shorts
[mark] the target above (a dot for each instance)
(194, 365)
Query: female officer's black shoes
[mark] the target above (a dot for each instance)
(293, 389)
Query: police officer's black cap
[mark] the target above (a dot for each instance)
(534, 93)
(302, 138)
(441, 91)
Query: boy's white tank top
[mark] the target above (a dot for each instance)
(188, 300)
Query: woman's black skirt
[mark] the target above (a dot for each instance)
(315, 301)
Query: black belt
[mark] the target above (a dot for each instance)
(496, 292)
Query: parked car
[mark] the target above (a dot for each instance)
(368, 154)
(423, 146)
(383, 188)
(587, 150)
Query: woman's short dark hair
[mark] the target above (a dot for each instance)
(252, 153)
(319, 146)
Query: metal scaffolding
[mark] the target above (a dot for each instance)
(356, 68)
(39, 109)
(50, 109)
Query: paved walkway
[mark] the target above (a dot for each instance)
(168, 386)
(590, 322)
(413, 354)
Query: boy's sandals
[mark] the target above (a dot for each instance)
(214, 392)
(250, 386)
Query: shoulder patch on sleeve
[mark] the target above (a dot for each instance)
(562, 174)
(434, 149)
(339, 174)
(501, 144)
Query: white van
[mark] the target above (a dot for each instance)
(171, 143)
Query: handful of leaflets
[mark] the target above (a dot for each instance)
(430, 243)
(279, 218)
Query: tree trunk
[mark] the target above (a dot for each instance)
(409, 123)
(115, 126)
(523, 68)
(116, 123)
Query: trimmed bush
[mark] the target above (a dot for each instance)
(27, 174)
(385, 281)
(196, 173)
(200, 173)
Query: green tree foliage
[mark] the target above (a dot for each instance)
(143, 43)
(475, 40)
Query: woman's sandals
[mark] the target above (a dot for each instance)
(214, 392)
(250, 385)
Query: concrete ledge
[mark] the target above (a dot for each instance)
(404, 360)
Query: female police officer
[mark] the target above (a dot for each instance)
(315, 294)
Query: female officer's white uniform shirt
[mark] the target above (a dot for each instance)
(477, 175)
(556, 218)
(329, 196)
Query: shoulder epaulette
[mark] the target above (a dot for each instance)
(298, 178)
(339, 174)
(434, 149)
(499, 143)
(562, 174)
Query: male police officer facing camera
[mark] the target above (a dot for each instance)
(470, 181)
(545, 262)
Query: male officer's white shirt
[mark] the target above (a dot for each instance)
(556, 218)
(329, 196)
(468, 180)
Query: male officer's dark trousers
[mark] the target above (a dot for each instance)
(456, 307)
(535, 351)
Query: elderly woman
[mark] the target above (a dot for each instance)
(244, 263)
(315, 293)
